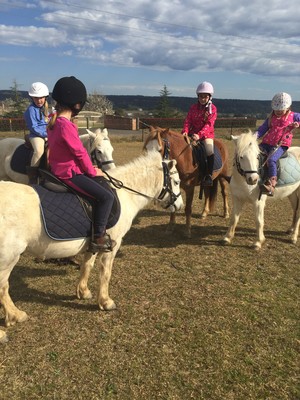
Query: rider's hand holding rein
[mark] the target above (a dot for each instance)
(99, 172)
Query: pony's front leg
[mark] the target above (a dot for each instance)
(234, 219)
(172, 223)
(12, 313)
(294, 200)
(3, 337)
(83, 292)
(259, 208)
(189, 195)
(294, 229)
(105, 268)
(224, 191)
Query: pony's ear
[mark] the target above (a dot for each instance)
(172, 164)
(105, 132)
(235, 138)
(89, 132)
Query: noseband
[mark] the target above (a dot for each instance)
(93, 154)
(167, 188)
(240, 170)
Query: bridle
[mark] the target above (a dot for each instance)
(94, 151)
(240, 170)
(166, 189)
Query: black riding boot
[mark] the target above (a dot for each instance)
(33, 174)
(208, 181)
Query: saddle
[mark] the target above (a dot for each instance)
(67, 214)
(200, 157)
(21, 157)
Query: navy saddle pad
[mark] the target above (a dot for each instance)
(21, 158)
(200, 157)
(65, 217)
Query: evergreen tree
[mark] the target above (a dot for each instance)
(164, 106)
(16, 102)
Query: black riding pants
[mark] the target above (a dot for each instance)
(103, 200)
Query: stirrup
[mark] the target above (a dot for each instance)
(267, 188)
(103, 245)
(207, 181)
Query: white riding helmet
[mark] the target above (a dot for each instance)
(281, 101)
(38, 89)
(205, 87)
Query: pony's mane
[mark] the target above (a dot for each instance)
(157, 133)
(134, 167)
(244, 141)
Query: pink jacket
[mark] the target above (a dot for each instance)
(200, 121)
(278, 128)
(67, 155)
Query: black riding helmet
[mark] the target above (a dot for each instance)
(69, 91)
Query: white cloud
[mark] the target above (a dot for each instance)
(260, 38)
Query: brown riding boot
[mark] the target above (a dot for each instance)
(103, 244)
(269, 186)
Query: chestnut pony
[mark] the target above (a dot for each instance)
(174, 145)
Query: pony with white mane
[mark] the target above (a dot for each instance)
(97, 144)
(144, 180)
(245, 186)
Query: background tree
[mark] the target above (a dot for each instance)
(16, 104)
(99, 103)
(164, 109)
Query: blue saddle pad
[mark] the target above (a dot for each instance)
(200, 157)
(217, 159)
(63, 215)
(288, 171)
(21, 158)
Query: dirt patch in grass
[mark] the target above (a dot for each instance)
(195, 319)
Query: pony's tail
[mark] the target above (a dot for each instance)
(213, 194)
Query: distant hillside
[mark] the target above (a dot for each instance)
(258, 108)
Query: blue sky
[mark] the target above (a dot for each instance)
(247, 50)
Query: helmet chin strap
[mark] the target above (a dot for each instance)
(76, 108)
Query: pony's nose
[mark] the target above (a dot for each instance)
(252, 179)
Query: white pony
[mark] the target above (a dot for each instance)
(22, 230)
(97, 144)
(244, 187)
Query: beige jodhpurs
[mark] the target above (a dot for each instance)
(209, 146)
(38, 145)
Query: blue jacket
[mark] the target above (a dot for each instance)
(35, 121)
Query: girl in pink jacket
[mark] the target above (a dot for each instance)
(199, 125)
(69, 160)
(277, 133)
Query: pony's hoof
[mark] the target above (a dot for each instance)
(20, 316)
(109, 305)
(84, 294)
(225, 242)
(257, 246)
(3, 337)
(294, 241)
